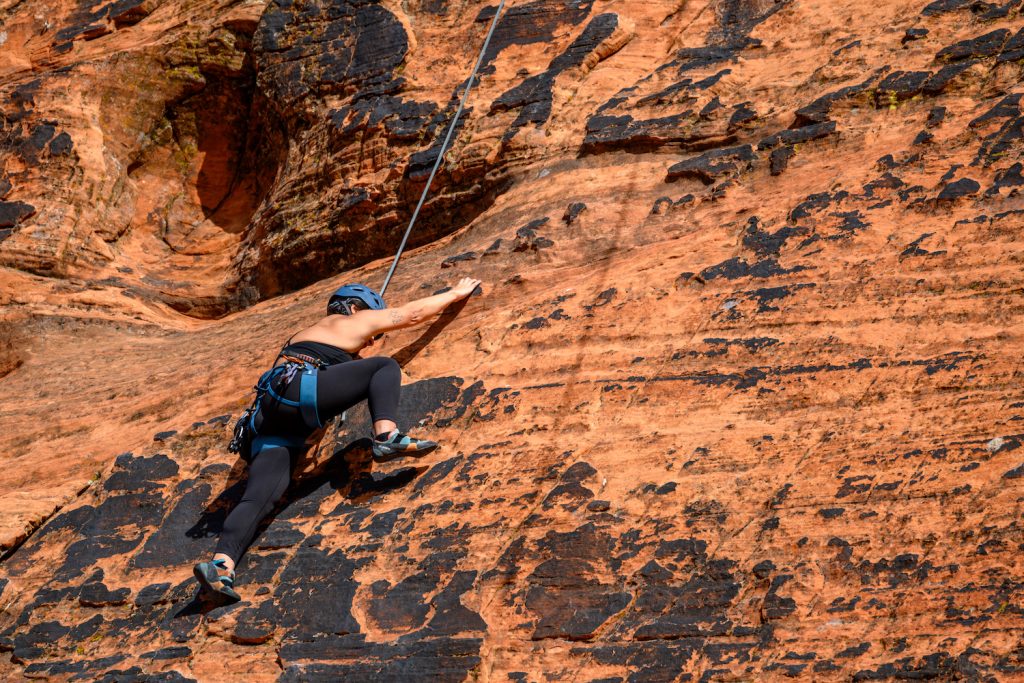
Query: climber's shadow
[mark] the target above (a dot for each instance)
(358, 483)
(202, 603)
(411, 350)
(348, 471)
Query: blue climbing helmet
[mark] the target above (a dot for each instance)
(340, 301)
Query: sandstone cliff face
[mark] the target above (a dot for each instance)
(741, 401)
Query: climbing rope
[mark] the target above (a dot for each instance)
(444, 146)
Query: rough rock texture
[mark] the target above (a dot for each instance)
(741, 402)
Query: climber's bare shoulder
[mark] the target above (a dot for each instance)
(348, 332)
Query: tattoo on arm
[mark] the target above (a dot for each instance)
(396, 318)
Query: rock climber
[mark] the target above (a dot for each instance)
(319, 375)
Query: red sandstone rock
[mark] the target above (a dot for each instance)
(755, 417)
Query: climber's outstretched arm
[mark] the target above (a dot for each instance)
(414, 312)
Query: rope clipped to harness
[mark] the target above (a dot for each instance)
(444, 146)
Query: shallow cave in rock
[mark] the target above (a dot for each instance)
(220, 157)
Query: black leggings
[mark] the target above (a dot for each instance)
(338, 388)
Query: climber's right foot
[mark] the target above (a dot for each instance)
(215, 578)
(398, 445)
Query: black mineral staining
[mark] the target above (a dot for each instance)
(170, 544)
(777, 606)
(527, 238)
(96, 594)
(565, 601)
(450, 615)
(531, 22)
(854, 650)
(35, 142)
(401, 606)
(151, 594)
(369, 43)
(13, 213)
(765, 296)
(314, 596)
(765, 243)
(279, 534)
(109, 529)
(942, 6)
(922, 138)
(133, 473)
(617, 125)
(964, 187)
(1013, 50)
(899, 86)
(817, 111)
(720, 347)
(714, 164)
(1008, 107)
(736, 268)
(350, 657)
(570, 493)
(603, 298)
(742, 115)
(710, 108)
(796, 136)
(1007, 114)
(915, 249)
(173, 652)
(815, 203)
(533, 96)
(1007, 178)
(987, 45)
(935, 117)
(573, 211)
(779, 159)
(453, 260)
(437, 473)
(912, 34)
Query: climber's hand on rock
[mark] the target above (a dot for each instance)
(465, 287)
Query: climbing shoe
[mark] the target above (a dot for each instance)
(215, 577)
(398, 445)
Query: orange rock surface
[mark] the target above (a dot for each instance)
(741, 399)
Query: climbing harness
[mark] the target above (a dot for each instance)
(247, 441)
(444, 145)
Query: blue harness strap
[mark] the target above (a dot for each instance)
(307, 397)
(267, 382)
(275, 440)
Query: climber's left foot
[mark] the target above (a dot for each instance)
(215, 578)
(397, 445)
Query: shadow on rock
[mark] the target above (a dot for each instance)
(349, 471)
(355, 479)
(203, 603)
(410, 351)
